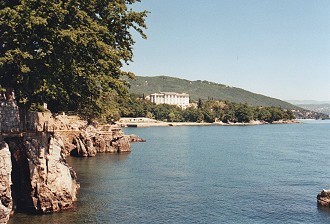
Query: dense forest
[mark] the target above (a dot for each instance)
(204, 111)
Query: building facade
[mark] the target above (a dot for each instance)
(172, 98)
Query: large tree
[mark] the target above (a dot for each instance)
(67, 53)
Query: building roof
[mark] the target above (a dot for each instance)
(170, 93)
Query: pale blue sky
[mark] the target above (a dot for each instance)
(278, 48)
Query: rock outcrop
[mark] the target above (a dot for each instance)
(323, 198)
(54, 183)
(42, 180)
(5, 183)
(135, 138)
(90, 140)
(34, 176)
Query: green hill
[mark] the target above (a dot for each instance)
(203, 90)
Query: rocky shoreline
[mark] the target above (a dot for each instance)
(34, 175)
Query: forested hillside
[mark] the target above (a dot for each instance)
(203, 90)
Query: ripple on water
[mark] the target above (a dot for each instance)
(259, 174)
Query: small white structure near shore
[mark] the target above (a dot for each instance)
(172, 98)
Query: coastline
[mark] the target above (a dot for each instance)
(142, 122)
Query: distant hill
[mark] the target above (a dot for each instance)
(308, 102)
(203, 90)
(313, 105)
(320, 108)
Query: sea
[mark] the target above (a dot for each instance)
(205, 174)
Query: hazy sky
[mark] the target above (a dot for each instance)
(278, 48)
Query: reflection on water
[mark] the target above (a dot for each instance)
(254, 174)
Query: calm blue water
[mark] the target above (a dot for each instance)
(253, 174)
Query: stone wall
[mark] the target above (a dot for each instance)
(37, 121)
(12, 119)
(9, 117)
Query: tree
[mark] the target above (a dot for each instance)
(192, 114)
(200, 104)
(165, 112)
(263, 114)
(288, 115)
(208, 116)
(243, 113)
(276, 114)
(67, 53)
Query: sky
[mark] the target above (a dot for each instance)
(278, 48)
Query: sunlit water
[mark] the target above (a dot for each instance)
(253, 174)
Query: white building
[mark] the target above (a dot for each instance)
(179, 99)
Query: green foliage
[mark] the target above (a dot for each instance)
(193, 115)
(262, 114)
(208, 116)
(243, 113)
(68, 54)
(199, 103)
(165, 112)
(288, 115)
(203, 90)
(134, 106)
(209, 111)
(38, 108)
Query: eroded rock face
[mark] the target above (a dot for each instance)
(34, 176)
(323, 198)
(42, 180)
(5, 183)
(121, 144)
(90, 140)
(53, 182)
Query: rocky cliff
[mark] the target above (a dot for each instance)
(34, 175)
(42, 181)
(6, 201)
(90, 140)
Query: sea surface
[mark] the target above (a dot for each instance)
(236, 174)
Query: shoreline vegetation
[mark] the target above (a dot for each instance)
(143, 122)
(209, 111)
